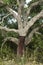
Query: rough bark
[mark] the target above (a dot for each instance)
(33, 20)
(8, 29)
(21, 45)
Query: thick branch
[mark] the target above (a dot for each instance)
(33, 20)
(18, 2)
(1, 1)
(20, 6)
(29, 9)
(32, 5)
(8, 30)
(13, 12)
(15, 40)
(10, 10)
(0, 22)
(16, 15)
(29, 37)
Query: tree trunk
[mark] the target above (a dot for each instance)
(20, 49)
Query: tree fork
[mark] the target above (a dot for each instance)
(21, 45)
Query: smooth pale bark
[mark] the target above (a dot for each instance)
(33, 20)
(8, 30)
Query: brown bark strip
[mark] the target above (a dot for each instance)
(21, 45)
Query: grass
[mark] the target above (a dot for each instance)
(10, 58)
(8, 62)
(22, 61)
(12, 62)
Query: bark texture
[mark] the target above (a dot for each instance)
(21, 45)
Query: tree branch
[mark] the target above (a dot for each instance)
(29, 9)
(32, 5)
(13, 12)
(15, 40)
(1, 1)
(0, 22)
(33, 20)
(8, 30)
(20, 6)
(5, 17)
(38, 33)
(18, 2)
(29, 37)
(16, 15)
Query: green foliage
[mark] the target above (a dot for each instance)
(35, 10)
(9, 1)
(34, 49)
(35, 0)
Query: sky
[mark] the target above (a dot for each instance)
(14, 20)
(27, 1)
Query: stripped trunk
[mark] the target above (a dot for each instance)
(20, 49)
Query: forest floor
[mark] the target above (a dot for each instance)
(12, 62)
